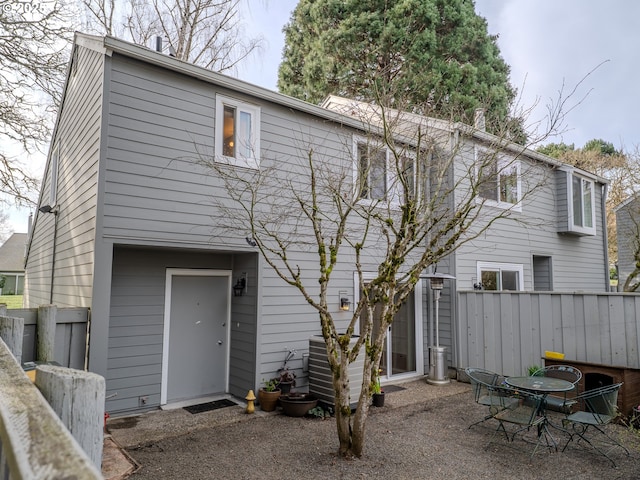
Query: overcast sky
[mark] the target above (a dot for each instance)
(551, 45)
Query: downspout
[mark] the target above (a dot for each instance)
(53, 253)
(605, 236)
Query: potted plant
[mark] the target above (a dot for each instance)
(297, 404)
(286, 379)
(268, 395)
(377, 396)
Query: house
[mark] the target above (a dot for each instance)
(182, 308)
(12, 264)
(628, 236)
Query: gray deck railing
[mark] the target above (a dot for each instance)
(508, 331)
(34, 443)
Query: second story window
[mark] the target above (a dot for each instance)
(379, 177)
(499, 179)
(237, 132)
(583, 211)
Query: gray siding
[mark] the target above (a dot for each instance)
(579, 262)
(628, 234)
(77, 136)
(137, 320)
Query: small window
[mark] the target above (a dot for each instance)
(500, 276)
(237, 132)
(499, 179)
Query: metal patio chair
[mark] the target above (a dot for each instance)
(598, 407)
(561, 403)
(482, 384)
(525, 411)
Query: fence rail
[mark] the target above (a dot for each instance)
(34, 441)
(508, 331)
(70, 334)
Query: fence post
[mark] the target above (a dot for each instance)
(12, 332)
(3, 309)
(78, 399)
(46, 333)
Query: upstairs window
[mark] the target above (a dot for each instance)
(582, 202)
(237, 132)
(499, 179)
(377, 176)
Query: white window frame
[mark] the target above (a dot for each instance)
(500, 267)
(393, 188)
(419, 319)
(239, 160)
(586, 230)
(503, 163)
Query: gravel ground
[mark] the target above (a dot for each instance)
(426, 436)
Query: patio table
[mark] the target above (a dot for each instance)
(542, 386)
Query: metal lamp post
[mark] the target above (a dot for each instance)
(437, 363)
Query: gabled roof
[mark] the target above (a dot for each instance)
(12, 253)
(408, 121)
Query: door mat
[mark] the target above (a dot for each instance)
(392, 388)
(206, 407)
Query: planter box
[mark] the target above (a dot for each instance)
(320, 377)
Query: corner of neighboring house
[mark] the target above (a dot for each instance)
(12, 264)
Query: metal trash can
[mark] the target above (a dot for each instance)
(437, 366)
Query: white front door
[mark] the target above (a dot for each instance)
(196, 334)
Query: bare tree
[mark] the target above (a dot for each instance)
(207, 33)
(400, 230)
(33, 59)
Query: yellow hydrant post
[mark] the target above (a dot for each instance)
(250, 398)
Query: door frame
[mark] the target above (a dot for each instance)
(419, 318)
(192, 272)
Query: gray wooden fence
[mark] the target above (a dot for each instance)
(70, 334)
(509, 331)
(34, 442)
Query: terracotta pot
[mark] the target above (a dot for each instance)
(378, 399)
(268, 400)
(297, 405)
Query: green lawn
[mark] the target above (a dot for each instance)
(12, 301)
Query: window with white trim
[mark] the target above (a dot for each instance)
(376, 175)
(582, 196)
(237, 139)
(500, 183)
(500, 276)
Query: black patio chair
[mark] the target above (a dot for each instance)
(482, 384)
(598, 407)
(524, 411)
(561, 403)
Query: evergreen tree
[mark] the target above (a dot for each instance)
(433, 57)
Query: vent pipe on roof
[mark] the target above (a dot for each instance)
(479, 120)
(159, 44)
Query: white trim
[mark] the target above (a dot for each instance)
(167, 320)
(501, 164)
(53, 177)
(418, 318)
(499, 267)
(239, 160)
(570, 223)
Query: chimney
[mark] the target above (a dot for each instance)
(159, 44)
(479, 120)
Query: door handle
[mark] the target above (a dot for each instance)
(219, 342)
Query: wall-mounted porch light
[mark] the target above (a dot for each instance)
(240, 286)
(345, 303)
